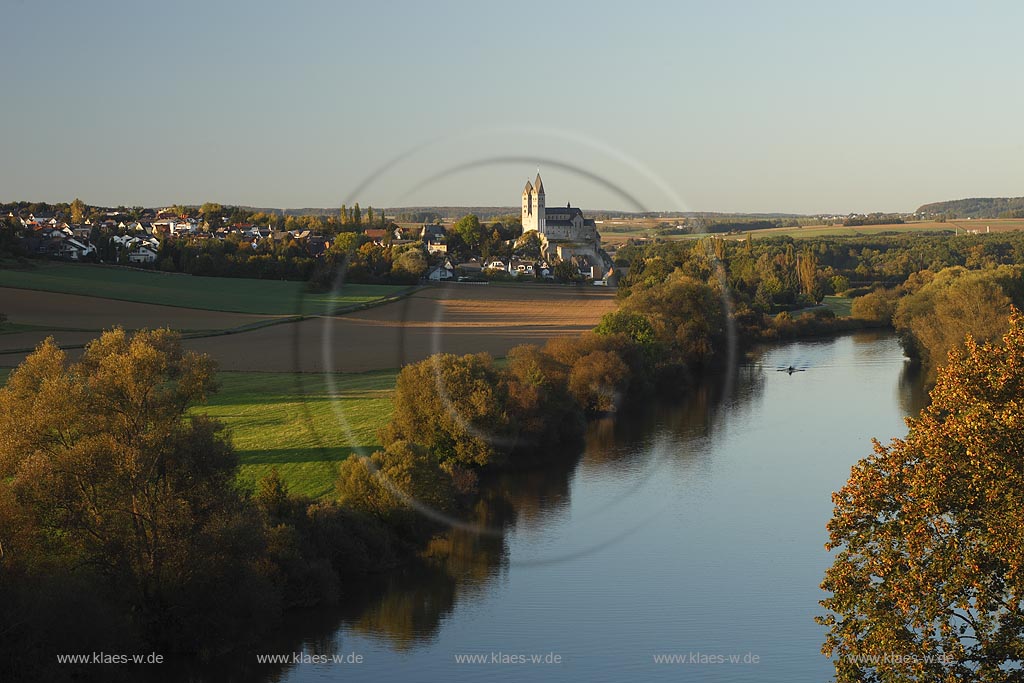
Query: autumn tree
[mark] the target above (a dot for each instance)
(104, 475)
(401, 485)
(807, 273)
(598, 381)
(927, 581)
(684, 314)
(457, 407)
(78, 209)
(956, 302)
(877, 306)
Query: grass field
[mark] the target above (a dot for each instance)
(237, 295)
(840, 305)
(294, 423)
(621, 231)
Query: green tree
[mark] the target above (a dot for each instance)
(929, 534)
(634, 325)
(410, 264)
(565, 271)
(472, 232)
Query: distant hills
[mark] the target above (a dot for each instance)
(977, 207)
(414, 214)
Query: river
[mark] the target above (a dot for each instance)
(694, 530)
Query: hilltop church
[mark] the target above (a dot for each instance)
(564, 232)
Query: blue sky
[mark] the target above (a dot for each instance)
(729, 106)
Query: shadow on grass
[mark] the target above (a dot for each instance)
(281, 456)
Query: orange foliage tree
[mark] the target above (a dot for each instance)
(928, 534)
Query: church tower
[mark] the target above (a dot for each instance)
(538, 203)
(529, 218)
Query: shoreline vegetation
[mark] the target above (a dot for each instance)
(128, 507)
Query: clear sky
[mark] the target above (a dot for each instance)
(803, 106)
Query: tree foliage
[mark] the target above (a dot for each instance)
(929, 534)
(471, 230)
(457, 407)
(104, 478)
(955, 302)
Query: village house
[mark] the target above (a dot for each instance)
(73, 250)
(142, 254)
(495, 264)
(441, 272)
(519, 267)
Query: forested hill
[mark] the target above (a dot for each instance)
(979, 207)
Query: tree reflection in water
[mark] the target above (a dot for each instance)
(406, 607)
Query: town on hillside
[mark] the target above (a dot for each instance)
(544, 243)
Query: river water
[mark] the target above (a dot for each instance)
(694, 530)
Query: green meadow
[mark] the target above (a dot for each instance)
(840, 305)
(300, 424)
(296, 424)
(234, 295)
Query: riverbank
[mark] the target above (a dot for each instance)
(715, 501)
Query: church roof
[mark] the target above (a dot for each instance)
(564, 211)
(538, 184)
(528, 188)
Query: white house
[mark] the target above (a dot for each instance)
(517, 266)
(439, 273)
(142, 254)
(74, 250)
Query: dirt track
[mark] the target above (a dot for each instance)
(453, 319)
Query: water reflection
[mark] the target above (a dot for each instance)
(712, 465)
(913, 389)
(407, 607)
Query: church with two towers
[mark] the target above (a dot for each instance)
(564, 231)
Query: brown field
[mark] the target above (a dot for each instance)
(456, 318)
(73, 319)
(446, 319)
(55, 310)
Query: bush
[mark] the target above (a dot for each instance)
(598, 381)
(457, 407)
(877, 306)
(395, 485)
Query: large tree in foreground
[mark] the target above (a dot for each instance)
(928, 578)
(105, 475)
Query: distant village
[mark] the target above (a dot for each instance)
(548, 244)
